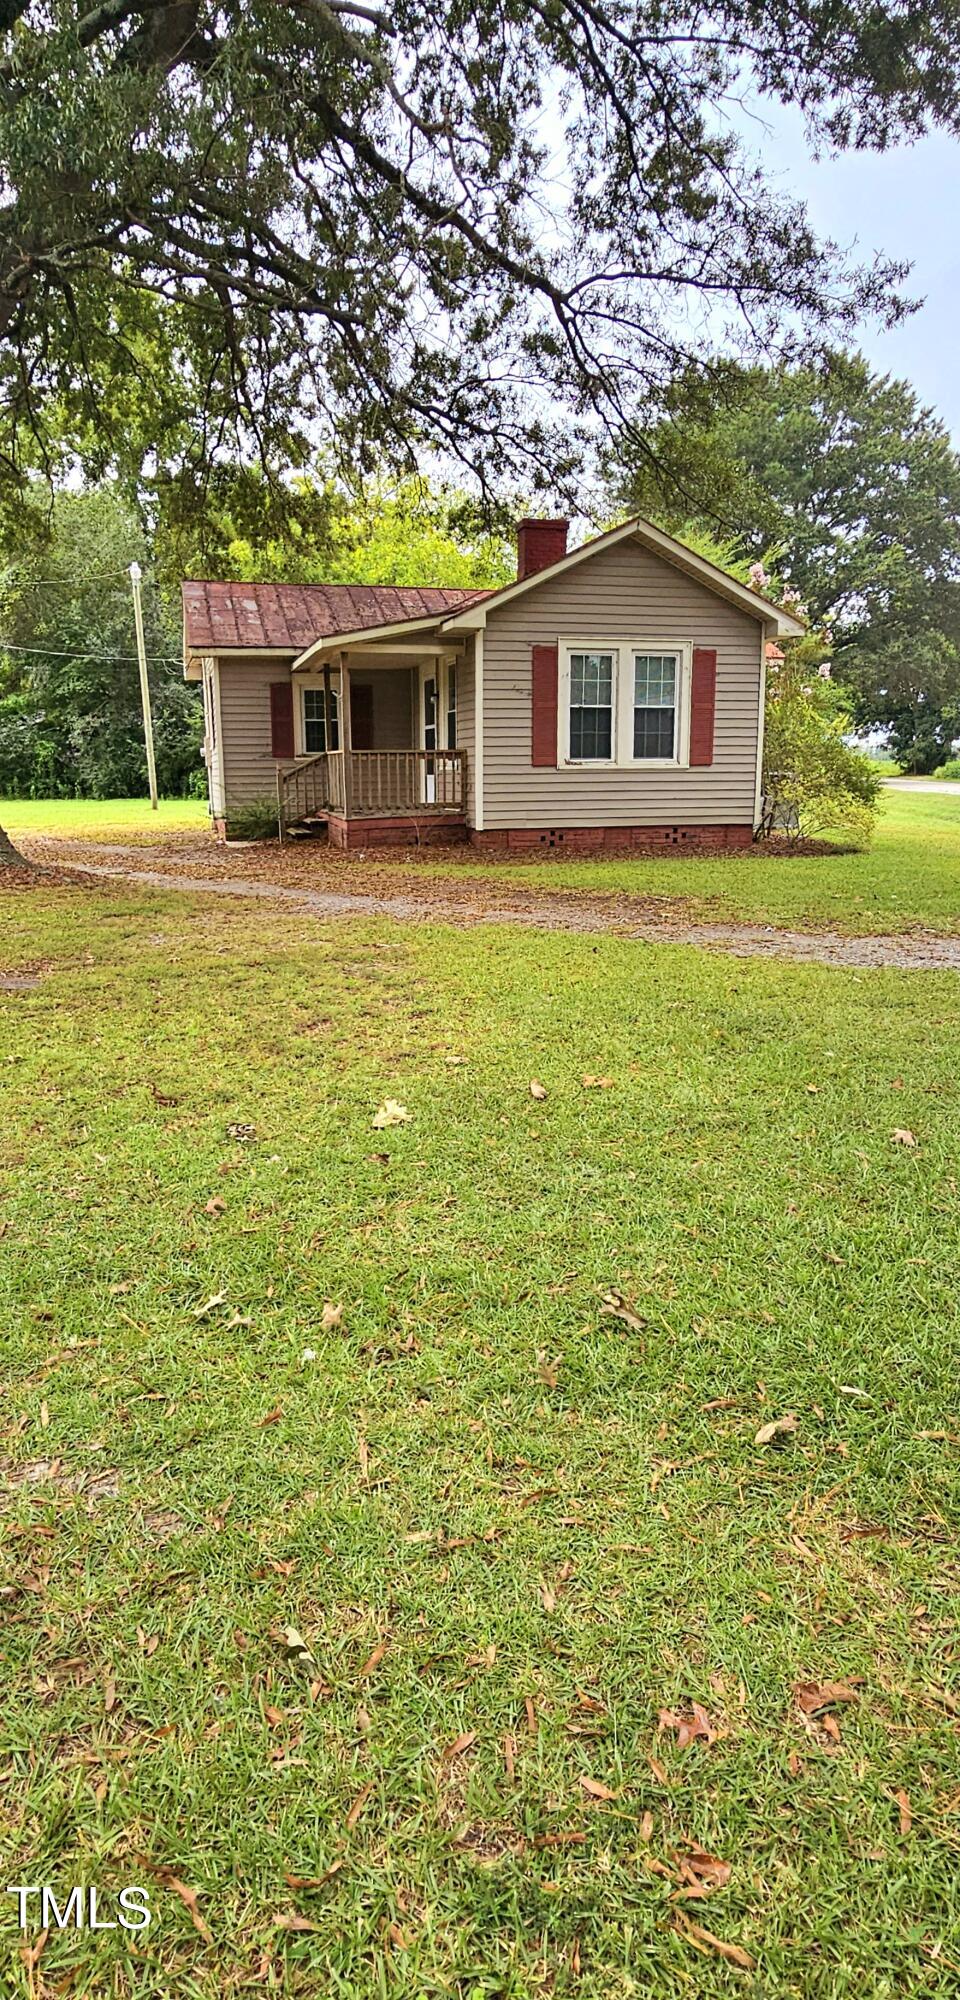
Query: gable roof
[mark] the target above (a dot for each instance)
(286, 617)
(773, 616)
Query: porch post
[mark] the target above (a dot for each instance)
(346, 743)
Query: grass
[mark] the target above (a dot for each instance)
(908, 880)
(498, 1515)
(103, 819)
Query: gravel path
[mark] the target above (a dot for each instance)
(625, 917)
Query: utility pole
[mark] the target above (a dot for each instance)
(135, 575)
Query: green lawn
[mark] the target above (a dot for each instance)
(103, 819)
(908, 879)
(509, 1527)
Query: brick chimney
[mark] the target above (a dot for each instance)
(539, 543)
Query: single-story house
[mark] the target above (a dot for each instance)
(611, 696)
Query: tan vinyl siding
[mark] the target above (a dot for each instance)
(623, 592)
(249, 767)
(466, 719)
(392, 705)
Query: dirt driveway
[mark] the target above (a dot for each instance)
(228, 871)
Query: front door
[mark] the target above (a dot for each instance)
(361, 716)
(429, 716)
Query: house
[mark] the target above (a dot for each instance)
(611, 696)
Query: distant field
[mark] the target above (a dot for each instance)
(103, 819)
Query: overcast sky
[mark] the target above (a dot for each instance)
(905, 203)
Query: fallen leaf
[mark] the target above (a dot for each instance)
(390, 1113)
(817, 1697)
(275, 1717)
(902, 1137)
(595, 1789)
(188, 1896)
(733, 1953)
(44, 1416)
(109, 1696)
(215, 1206)
(331, 1316)
(298, 1649)
(597, 1082)
(547, 1369)
(779, 1427)
(460, 1744)
(218, 1299)
(313, 1881)
(902, 1800)
(698, 1866)
(659, 1773)
(370, 1666)
(293, 1921)
(690, 1726)
(537, 1091)
(272, 1417)
(645, 1828)
(358, 1804)
(548, 1597)
(30, 1954)
(614, 1303)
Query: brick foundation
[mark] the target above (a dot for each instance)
(430, 831)
(603, 839)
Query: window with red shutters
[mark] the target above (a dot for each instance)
(703, 701)
(281, 719)
(545, 667)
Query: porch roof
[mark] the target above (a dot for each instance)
(288, 617)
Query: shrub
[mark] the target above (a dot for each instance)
(951, 769)
(255, 819)
(813, 783)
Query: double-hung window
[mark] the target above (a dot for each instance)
(624, 704)
(655, 678)
(315, 722)
(591, 706)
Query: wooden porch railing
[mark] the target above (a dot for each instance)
(363, 784)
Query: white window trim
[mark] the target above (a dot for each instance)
(301, 682)
(622, 758)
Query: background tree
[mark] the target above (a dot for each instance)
(70, 715)
(855, 487)
(229, 225)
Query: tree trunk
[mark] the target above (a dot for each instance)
(9, 858)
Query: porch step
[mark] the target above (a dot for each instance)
(314, 828)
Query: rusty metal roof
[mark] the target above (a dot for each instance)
(291, 616)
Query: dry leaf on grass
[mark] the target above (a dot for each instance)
(614, 1303)
(390, 1113)
(215, 1206)
(548, 1597)
(210, 1305)
(902, 1801)
(358, 1804)
(460, 1745)
(547, 1369)
(595, 1789)
(902, 1137)
(537, 1091)
(706, 1941)
(187, 1896)
(690, 1727)
(297, 1649)
(597, 1082)
(370, 1665)
(698, 1867)
(312, 1881)
(331, 1316)
(815, 1698)
(779, 1427)
(293, 1921)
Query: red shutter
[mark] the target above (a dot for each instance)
(281, 718)
(545, 668)
(703, 700)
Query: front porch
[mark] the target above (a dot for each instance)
(375, 744)
(377, 797)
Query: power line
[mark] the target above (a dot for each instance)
(68, 653)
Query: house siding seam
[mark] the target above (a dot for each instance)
(623, 591)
